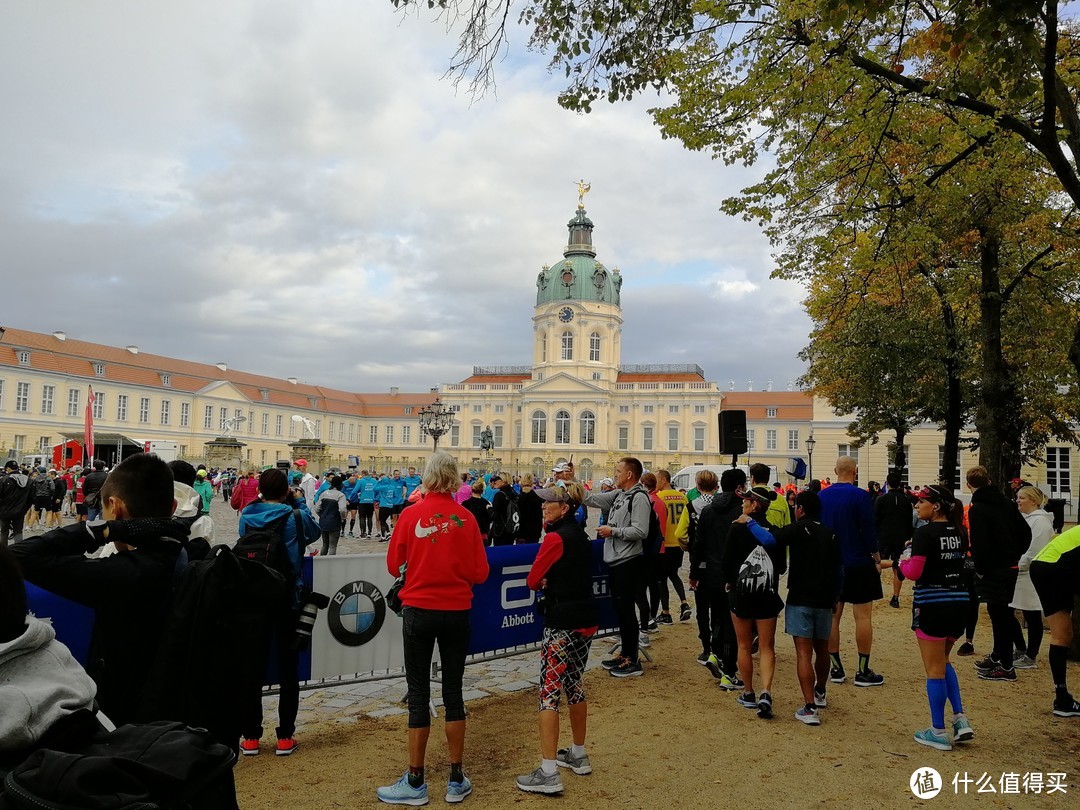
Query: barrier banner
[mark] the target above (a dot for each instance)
(358, 633)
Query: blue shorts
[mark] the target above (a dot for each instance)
(808, 622)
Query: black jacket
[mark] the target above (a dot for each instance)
(740, 542)
(131, 592)
(998, 532)
(500, 532)
(708, 550)
(532, 516)
(893, 518)
(16, 493)
(93, 482)
(569, 603)
(481, 510)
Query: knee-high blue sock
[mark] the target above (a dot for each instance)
(952, 688)
(935, 691)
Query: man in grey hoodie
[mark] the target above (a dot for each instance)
(15, 498)
(624, 535)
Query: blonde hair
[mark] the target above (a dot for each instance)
(441, 473)
(576, 492)
(527, 481)
(1033, 493)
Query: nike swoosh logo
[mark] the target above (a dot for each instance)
(424, 531)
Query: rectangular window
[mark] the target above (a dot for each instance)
(331, 436)
(477, 408)
(699, 409)
(476, 430)
(406, 434)
(647, 409)
(121, 407)
(793, 440)
(770, 412)
(277, 425)
(48, 393)
(266, 424)
(455, 435)
(166, 380)
(423, 437)
(43, 444)
(389, 434)
(166, 407)
(624, 409)
(185, 414)
(1058, 471)
(318, 428)
(22, 397)
(751, 436)
(699, 438)
(223, 417)
(99, 369)
(251, 423)
(848, 450)
(624, 437)
(408, 410)
(672, 408)
(497, 435)
(73, 402)
(646, 437)
(517, 434)
(672, 437)
(24, 358)
(144, 410)
(770, 439)
(500, 408)
(292, 429)
(208, 417)
(20, 445)
(1, 395)
(373, 434)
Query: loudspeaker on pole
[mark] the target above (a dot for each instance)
(733, 433)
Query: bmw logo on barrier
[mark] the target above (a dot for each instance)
(357, 613)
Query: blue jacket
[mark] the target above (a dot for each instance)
(259, 515)
(849, 511)
(390, 491)
(351, 490)
(366, 489)
(411, 483)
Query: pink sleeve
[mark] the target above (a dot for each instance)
(913, 568)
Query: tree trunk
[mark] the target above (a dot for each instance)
(997, 415)
(954, 410)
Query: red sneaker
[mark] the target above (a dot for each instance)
(249, 748)
(286, 746)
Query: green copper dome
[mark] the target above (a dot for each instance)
(578, 276)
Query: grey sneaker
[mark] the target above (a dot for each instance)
(1023, 662)
(540, 782)
(580, 765)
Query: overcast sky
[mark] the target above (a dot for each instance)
(294, 189)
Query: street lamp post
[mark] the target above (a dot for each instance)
(810, 442)
(436, 420)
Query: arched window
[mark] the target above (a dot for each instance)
(543, 347)
(539, 427)
(539, 469)
(567, 345)
(586, 468)
(562, 427)
(594, 346)
(587, 423)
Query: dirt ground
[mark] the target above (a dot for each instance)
(673, 739)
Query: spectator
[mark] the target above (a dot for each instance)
(672, 558)
(893, 522)
(504, 531)
(437, 543)
(15, 498)
(481, 510)
(205, 490)
(189, 506)
(130, 591)
(331, 507)
(245, 491)
(530, 507)
(92, 488)
(1030, 501)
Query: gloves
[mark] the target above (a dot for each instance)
(133, 532)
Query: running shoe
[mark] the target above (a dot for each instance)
(819, 698)
(249, 747)
(540, 782)
(580, 765)
(894, 602)
(643, 640)
(1066, 707)
(934, 739)
(664, 618)
(286, 746)
(703, 658)
(729, 683)
(987, 663)
(1023, 662)
(764, 706)
(962, 730)
(965, 649)
(684, 613)
(747, 700)
(713, 665)
(457, 791)
(997, 674)
(652, 626)
(868, 678)
(627, 670)
(401, 792)
(808, 715)
(837, 675)
(613, 663)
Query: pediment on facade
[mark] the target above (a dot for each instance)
(562, 383)
(222, 390)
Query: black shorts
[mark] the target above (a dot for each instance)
(755, 606)
(862, 584)
(891, 549)
(1056, 583)
(940, 621)
(55, 507)
(43, 505)
(352, 507)
(398, 509)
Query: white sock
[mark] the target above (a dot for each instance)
(549, 766)
(577, 750)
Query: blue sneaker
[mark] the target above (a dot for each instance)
(457, 791)
(962, 730)
(401, 792)
(934, 739)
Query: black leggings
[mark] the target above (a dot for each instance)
(1034, 621)
(715, 629)
(626, 588)
(288, 662)
(421, 629)
(672, 561)
(1001, 624)
(367, 512)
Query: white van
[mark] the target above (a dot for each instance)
(37, 460)
(684, 478)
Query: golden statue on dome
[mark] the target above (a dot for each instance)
(583, 188)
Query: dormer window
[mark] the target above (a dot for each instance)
(24, 358)
(770, 413)
(313, 401)
(265, 394)
(408, 410)
(99, 369)
(166, 380)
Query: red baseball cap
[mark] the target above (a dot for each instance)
(301, 462)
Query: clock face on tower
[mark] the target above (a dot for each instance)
(566, 314)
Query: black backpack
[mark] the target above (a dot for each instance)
(43, 489)
(655, 538)
(223, 611)
(267, 545)
(136, 767)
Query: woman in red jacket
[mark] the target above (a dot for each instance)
(439, 542)
(246, 490)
